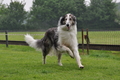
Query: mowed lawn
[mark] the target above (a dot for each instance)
(96, 37)
(25, 63)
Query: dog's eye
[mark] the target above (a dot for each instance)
(65, 19)
(70, 19)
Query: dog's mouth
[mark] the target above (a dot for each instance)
(68, 27)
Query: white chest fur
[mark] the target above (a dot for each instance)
(67, 38)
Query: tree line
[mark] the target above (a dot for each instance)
(44, 14)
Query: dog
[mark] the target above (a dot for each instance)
(59, 39)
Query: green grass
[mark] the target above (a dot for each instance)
(25, 63)
(105, 37)
(96, 37)
(102, 37)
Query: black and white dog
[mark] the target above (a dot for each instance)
(60, 39)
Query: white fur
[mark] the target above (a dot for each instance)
(31, 41)
(68, 38)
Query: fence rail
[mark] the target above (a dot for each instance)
(101, 47)
(85, 37)
(91, 46)
(13, 42)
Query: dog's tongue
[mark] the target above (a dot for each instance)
(68, 28)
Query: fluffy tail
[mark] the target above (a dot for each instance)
(31, 41)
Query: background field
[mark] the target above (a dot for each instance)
(25, 63)
(96, 37)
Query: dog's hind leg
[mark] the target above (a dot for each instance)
(44, 58)
(45, 52)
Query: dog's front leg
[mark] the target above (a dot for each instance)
(77, 56)
(64, 48)
(59, 59)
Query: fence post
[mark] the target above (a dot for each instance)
(87, 41)
(6, 36)
(83, 41)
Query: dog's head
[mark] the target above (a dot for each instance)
(67, 21)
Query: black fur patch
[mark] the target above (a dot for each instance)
(62, 22)
(50, 39)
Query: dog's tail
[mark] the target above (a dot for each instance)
(31, 41)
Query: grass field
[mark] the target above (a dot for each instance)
(96, 37)
(25, 63)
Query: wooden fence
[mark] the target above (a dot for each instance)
(81, 46)
(91, 46)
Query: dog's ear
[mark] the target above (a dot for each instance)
(74, 18)
(62, 21)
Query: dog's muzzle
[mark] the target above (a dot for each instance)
(68, 26)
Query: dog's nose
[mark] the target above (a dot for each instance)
(67, 25)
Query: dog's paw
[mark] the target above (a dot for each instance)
(72, 57)
(60, 64)
(81, 67)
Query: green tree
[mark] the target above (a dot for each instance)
(15, 16)
(117, 13)
(46, 13)
(3, 12)
(101, 14)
